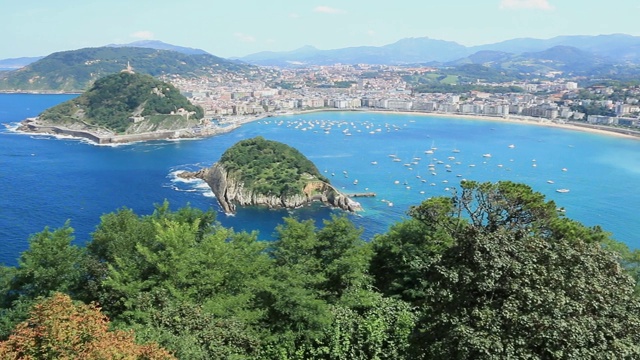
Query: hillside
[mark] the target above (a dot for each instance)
(261, 172)
(76, 70)
(114, 99)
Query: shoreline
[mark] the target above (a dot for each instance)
(529, 120)
(30, 126)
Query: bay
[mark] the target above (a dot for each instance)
(45, 181)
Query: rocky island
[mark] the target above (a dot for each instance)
(122, 107)
(268, 173)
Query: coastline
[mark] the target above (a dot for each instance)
(30, 126)
(529, 120)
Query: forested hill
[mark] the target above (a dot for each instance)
(76, 70)
(260, 172)
(114, 99)
(269, 167)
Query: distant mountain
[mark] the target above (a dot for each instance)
(617, 47)
(405, 51)
(159, 45)
(614, 49)
(484, 57)
(76, 70)
(567, 59)
(17, 63)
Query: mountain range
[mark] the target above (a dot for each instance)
(612, 49)
(614, 56)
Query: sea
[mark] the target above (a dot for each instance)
(403, 159)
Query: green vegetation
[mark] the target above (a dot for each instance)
(112, 100)
(76, 70)
(494, 272)
(269, 167)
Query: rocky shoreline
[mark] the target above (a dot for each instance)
(106, 137)
(230, 192)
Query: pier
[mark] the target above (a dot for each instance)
(365, 194)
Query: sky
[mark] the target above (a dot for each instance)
(234, 28)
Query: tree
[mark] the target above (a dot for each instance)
(59, 329)
(50, 264)
(514, 280)
(501, 295)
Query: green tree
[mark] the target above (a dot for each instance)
(51, 264)
(502, 295)
(514, 279)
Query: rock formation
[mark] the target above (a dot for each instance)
(231, 191)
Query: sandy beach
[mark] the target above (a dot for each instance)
(572, 125)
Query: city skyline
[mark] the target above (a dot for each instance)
(237, 29)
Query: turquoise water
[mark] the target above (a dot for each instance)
(45, 182)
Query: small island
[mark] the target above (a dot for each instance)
(260, 172)
(123, 107)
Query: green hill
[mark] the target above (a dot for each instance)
(76, 70)
(113, 100)
(269, 167)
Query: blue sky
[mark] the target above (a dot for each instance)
(240, 27)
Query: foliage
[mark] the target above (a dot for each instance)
(59, 329)
(493, 271)
(501, 295)
(270, 167)
(112, 100)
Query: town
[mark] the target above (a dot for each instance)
(268, 91)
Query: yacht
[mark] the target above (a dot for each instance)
(562, 190)
(486, 155)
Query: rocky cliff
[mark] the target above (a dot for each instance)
(231, 191)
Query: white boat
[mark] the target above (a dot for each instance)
(550, 181)
(397, 160)
(486, 155)
(511, 146)
(374, 163)
(355, 182)
(562, 190)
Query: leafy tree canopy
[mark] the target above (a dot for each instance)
(270, 167)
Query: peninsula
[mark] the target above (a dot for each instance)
(123, 107)
(262, 172)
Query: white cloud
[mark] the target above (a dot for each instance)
(328, 10)
(244, 37)
(144, 35)
(526, 4)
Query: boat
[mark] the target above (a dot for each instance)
(455, 150)
(355, 182)
(486, 155)
(511, 146)
(374, 163)
(390, 203)
(550, 181)
(562, 190)
(564, 169)
(397, 160)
